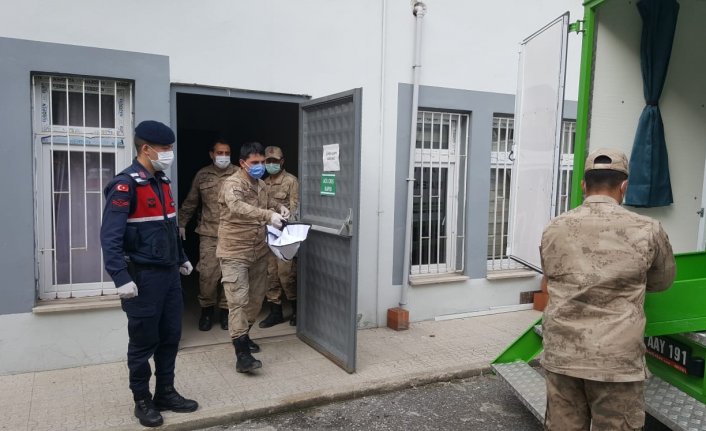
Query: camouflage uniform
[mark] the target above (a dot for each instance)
(581, 404)
(598, 260)
(204, 194)
(283, 190)
(242, 249)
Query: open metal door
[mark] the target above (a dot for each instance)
(539, 107)
(329, 175)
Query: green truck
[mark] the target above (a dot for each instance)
(641, 90)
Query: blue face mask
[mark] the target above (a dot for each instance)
(256, 171)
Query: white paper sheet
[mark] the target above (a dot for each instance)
(331, 158)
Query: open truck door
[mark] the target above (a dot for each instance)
(329, 174)
(539, 107)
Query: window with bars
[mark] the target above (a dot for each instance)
(500, 178)
(82, 138)
(438, 224)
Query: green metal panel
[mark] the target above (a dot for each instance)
(584, 105)
(525, 348)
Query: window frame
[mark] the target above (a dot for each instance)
(453, 159)
(48, 138)
(502, 161)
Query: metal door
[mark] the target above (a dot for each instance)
(328, 259)
(539, 109)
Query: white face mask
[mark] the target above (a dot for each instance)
(222, 162)
(164, 160)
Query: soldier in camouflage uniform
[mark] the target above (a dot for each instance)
(598, 261)
(204, 195)
(242, 249)
(283, 189)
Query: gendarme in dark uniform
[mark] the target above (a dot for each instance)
(143, 255)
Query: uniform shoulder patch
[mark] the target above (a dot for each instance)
(120, 205)
(122, 188)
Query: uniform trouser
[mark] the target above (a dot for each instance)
(245, 285)
(281, 276)
(209, 269)
(153, 326)
(575, 404)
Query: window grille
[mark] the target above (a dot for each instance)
(438, 224)
(82, 138)
(500, 177)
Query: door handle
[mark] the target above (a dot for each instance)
(346, 229)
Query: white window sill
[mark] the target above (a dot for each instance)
(503, 274)
(76, 304)
(427, 279)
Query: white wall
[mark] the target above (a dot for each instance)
(618, 101)
(35, 342)
(317, 47)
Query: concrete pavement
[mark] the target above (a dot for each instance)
(293, 376)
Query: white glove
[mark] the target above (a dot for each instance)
(276, 220)
(127, 291)
(182, 233)
(284, 212)
(186, 268)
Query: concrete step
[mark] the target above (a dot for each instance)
(664, 402)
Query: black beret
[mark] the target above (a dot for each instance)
(155, 132)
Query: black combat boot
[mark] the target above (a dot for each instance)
(254, 348)
(245, 361)
(206, 319)
(275, 317)
(293, 319)
(147, 413)
(224, 318)
(167, 398)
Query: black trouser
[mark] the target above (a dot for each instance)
(153, 325)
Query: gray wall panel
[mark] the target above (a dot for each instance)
(18, 59)
(481, 106)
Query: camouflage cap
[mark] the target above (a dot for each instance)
(273, 153)
(618, 160)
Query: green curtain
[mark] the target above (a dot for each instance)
(649, 184)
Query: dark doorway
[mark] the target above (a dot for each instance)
(200, 120)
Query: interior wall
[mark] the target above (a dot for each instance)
(617, 102)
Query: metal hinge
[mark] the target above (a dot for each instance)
(700, 213)
(578, 26)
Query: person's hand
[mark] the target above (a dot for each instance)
(186, 268)
(127, 291)
(284, 211)
(182, 233)
(276, 220)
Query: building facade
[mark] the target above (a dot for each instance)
(76, 80)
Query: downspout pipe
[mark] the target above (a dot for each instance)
(419, 10)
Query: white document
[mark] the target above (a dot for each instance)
(285, 243)
(331, 162)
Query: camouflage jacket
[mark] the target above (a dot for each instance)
(599, 259)
(204, 194)
(244, 214)
(284, 190)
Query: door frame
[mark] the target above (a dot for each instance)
(208, 90)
